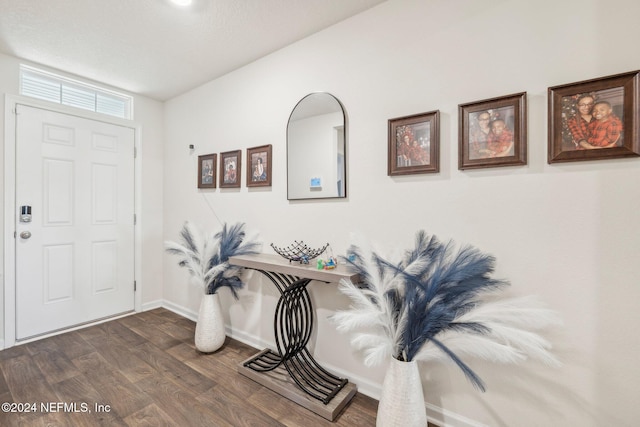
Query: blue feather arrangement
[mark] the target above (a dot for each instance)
(439, 301)
(206, 256)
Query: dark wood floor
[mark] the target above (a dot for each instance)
(145, 367)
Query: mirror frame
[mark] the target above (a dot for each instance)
(344, 136)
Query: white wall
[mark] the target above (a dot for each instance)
(148, 118)
(566, 232)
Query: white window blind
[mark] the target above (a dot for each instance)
(61, 90)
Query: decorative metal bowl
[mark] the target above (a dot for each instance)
(299, 251)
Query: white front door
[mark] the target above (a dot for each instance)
(75, 258)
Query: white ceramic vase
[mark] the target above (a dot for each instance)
(402, 399)
(210, 333)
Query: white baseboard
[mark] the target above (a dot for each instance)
(444, 418)
(152, 305)
(249, 339)
(365, 386)
(178, 309)
(435, 414)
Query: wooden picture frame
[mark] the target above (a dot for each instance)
(414, 144)
(259, 166)
(230, 169)
(594, 119)
(493, 132)
(207, 171)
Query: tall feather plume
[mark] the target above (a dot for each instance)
(190, 251)
(471, 376)
(439, 302)
(206, 256)
(375, 304)
(231, 241)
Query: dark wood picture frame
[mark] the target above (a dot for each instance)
(230, 169)
(259, 166)
(207, 171)
(611, 106)
(414, 144)
(493, 132)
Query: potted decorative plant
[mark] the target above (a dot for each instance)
(436, 302)
(206, 257)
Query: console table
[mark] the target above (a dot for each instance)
(291, 371)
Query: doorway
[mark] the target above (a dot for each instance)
(74, 228)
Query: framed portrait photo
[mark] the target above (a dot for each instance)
(259, 166)
(207, 171)
(230, 168)
(594, 119)
(493, 132)
(414, 144)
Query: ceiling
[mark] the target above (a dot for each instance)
(156, 49)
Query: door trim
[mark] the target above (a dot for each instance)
(9, 277)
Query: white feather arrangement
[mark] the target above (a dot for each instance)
(206, 256)
(439, 302)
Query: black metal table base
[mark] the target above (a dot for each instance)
(293, 324)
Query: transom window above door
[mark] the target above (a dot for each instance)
(48, 86)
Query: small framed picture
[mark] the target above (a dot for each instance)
(414, 144)
(259, 166)
(230, 167)
(207, 171)
(493, 132)
(594, 119)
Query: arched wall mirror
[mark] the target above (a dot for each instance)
(316, 148)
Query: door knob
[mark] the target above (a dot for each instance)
(25, 234)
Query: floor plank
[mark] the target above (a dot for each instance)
(151, 416)
(180, 403)
(78, 389)
(118, 392)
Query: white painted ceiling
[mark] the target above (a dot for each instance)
(154, 48)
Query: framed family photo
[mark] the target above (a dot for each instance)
(493, 132)
(207, 171)
(414, 144)
(594, 119)
(259, 166)
(230, 168)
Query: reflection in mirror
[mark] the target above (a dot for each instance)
(316, 132)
